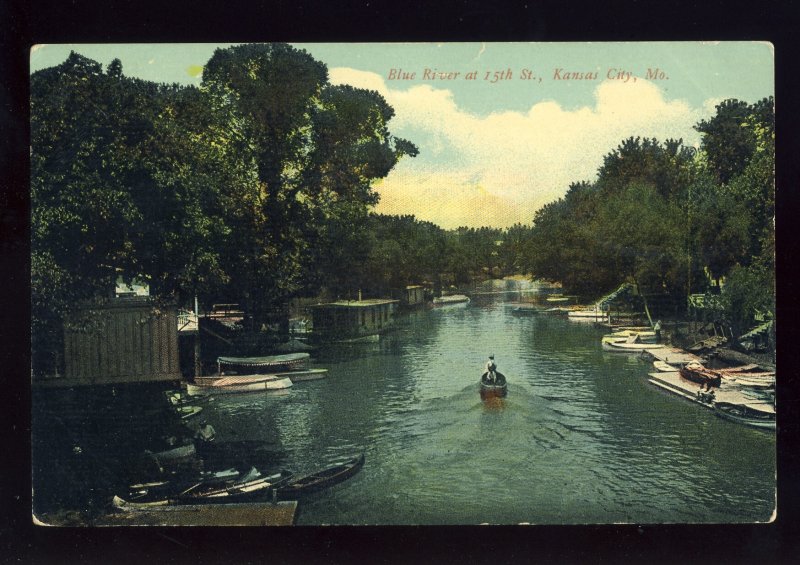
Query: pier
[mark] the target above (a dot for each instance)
(674, 383)
(249, 514)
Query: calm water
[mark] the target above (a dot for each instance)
(581, 438)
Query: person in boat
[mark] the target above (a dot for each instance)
(206, 432)
(491, 370)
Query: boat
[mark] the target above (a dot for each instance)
(625, 347)
(228, 385)
(496, 389)
(237, 491)
(451, 299)
(307, 375)
(156, 490)
(663, 367)
(632, 336)
(271, 363)
(590, 315)
(301, 485)
(742, 380)
(756, 414)
(186, 411)
(697, 373)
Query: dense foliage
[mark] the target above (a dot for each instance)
(673, 220)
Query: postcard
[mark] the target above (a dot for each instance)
(403, 284)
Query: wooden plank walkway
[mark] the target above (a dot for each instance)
(673, 355)
(250, 514)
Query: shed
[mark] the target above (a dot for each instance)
(121, 341)
(348, 319)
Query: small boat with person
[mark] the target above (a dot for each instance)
(497, 388)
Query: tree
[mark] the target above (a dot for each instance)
(317, 148)
(727, 139)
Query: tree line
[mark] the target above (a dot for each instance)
(256, 187)
(672, 219)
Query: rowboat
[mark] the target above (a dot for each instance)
(238, 491)
(664, 367)
(632, 336)
(228, 385)
(697, 373)
(307, 375)
(451, 299)
(271, 363)
(758, 415)
(496, 389)
(312, 482)
(625, 347)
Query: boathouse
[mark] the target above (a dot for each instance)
(412, 296)
(122, 340)
(352, 319)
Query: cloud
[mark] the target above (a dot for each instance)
(500, 168)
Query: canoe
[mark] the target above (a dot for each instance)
(758, 415)
(498, 389)
(272, 363)
(312, 482)
(238, 491)
(624, 347)
(228, 385)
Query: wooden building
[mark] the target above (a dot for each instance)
(124, 340)
(412, 296)
(352, 319)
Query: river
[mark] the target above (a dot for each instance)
(582, 437)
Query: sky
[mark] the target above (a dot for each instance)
(502, 128)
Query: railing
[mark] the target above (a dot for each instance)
(187, 321)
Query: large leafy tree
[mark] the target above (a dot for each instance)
(128, 178)
(318, 148)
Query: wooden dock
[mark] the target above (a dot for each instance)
(249, 514)
(674, 383)
(673, 355)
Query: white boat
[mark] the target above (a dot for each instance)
(227, 385)
(638, 336)
(589, 315)
(624, 347)
(664, 367)
(296, 376)
(451, 299)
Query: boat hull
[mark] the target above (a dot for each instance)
(745, 414)
(305, 484)
(498, 389)
(623, 347)
(239, 385)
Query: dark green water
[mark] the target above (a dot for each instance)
(581, 438)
